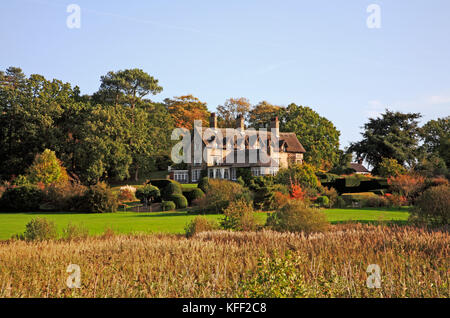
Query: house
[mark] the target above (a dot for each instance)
(225, 150)
(358, 167)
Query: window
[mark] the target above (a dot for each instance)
(181, 176)
(211, 173)
(233, 174)
(226, 174)
(218, 174)
(256, 171)
(196, 175)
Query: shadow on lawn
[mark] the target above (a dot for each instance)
(373, 222)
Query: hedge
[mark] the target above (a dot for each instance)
(179, 200)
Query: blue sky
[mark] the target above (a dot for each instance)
(315, 53)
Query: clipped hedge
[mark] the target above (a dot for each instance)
(193, 194)
(168, 206)
(180, 201)
(170, 190)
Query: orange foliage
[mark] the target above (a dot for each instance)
(296, 191)
(406, 185)
(185, 109)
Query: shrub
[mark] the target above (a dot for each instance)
(179, 200)
(199, 224)
(99, 199)
(194, 194)
(170, 190)
(274, 277)
(40, 229)
(303, 174)
(407, 185)
(148, 193)
(390, 168)
(125, 195)
(396, 200)
(75, 232)
(433, 206)
(377, 202)
(203, 184)
(323, 201)
(168, 206)
(62, 197)
(239, 216)
(220, 193)
(279, 199)
(295, 216)
(21, 199)
(332, 195)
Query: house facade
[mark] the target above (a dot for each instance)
(221, 152)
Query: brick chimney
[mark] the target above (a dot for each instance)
(240, 122)
(275, 124)
(213, 121)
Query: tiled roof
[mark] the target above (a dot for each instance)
(358, 167)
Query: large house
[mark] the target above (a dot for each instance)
(264, 152)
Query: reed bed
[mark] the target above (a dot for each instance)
(414, 262)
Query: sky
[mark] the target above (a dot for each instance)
(320, 53)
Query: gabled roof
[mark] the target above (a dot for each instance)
(288, 139)
(358, 167)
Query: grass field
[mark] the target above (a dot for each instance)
(165, 222)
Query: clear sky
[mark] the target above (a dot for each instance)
(316, 53)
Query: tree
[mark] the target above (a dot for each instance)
(126, 87)
(185, 109)
(395, 135)
(436, 138)
(318, 135)
(262, 113)
(231, 109)
(47, 169)
(389, 167)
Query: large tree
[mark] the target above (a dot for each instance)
(318, 135)
(436, 138)
(231, 109)
(262, 113)
(394, 135)
(185, 109)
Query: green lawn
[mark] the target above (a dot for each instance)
(166, 222)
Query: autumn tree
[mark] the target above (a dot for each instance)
(47, 169)
(231, 109)
(185, 109)
(262, 113)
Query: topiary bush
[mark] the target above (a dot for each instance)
(168, 206)
(25, 198)
(194, 194)
(433, 206)
(170, 190)
(200, 224)
(295, 216)
(99, 199)
(323, 201)
(148, 193)
(203, 184)
(179, 200)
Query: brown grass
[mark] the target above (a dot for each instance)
(414, 263)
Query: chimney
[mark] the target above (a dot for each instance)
(213, 121)
(240, 122)
(275, 124)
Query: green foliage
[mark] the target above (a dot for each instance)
(74, 232)
(318, 135)
(203, 184)
(148, 193)
(323, 201)
(168, 206)
(25, 198)
(180, 201)
(436, 137)
(245, 174)
(40, 229)
(390, 168)
(99, 199)
(220, 193)
(304, 174)
(47, 169)
(200, 224)
(239, 216)
(194, 194)
(171, 189)
(433, 206)
(295, 216)
(21, 180)
(394, 135)
(274, 277)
